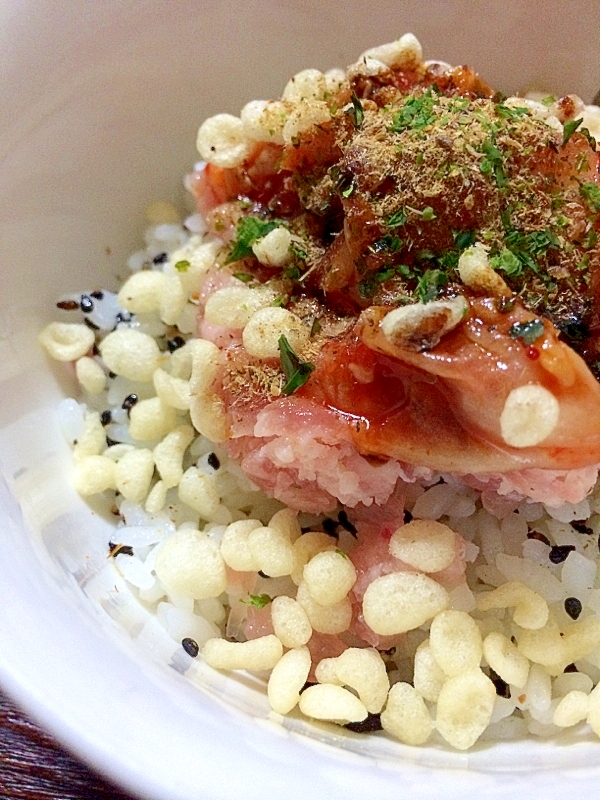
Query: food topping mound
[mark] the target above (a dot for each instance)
(384, 315)
(415, 257)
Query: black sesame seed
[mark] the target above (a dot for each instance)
(129, 402)
(538, 536)
(346, 524)
(581, 527)
(160, 258)
(190, 646)
(407, 516)
(175, 343)
(263, 574)
(330, 527)
(370, 724)
(86, 304)
(573, 607)
(112, 375)
(213, 461)
(560, 552)
(97, 295)
(570, 668)
(106, 417)
(502, 688)
(90, 324)
(68, 305)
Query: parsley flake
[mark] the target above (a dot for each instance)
(182, 266)
(591, 194)
(430, 283)
(507, 262)
(315, 328)
(357, 111)
(387, 243)
(511, 113)
(591, 141)
(245, 277)
(249, 230)
(296, 372)
(591, 239)
(416, 113)
(464, 239)
(257, 600)
(569, 129)
(397, 219)
(529, 332)
(492, 163)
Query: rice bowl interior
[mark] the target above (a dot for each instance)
(54, 513)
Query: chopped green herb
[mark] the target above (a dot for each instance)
(464, 239)
(397, 219)
(296, 372)
(428, 214)
(591, 194)
(367, 287)
(416, 113)
(293, 273)
(591, 239)
(589, 137)
(582, 162)
(507, 262)
(511, 113)
(182, 266)
(492, 163)
(569, 129)
(356, 111)
(387, 243)
(460, 103)
(298, 251)
(347, 192)
(548, 100)
(315, 328)
(246, 277)
(385, 274)
(341, 553)
(527, 331)
(257, 600)
(430, 283)
(529, 247)
(506, 304)
(249, 230)
(448, 259)
(584, 263)
(279, 301)
(540, 241)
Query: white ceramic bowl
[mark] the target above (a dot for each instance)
(99, 106)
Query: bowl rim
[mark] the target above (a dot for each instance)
(164, 739)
